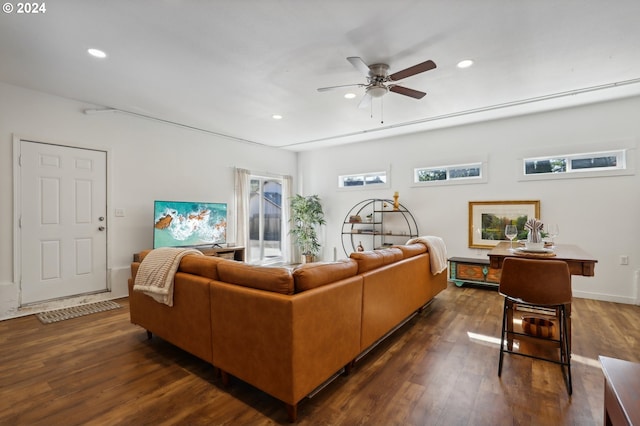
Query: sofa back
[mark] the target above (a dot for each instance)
(370, 260)
(312, 275)
(393, 292)
(276, 279)
(204, 266)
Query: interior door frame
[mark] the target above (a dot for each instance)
(17, 202)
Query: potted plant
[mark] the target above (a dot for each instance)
(306, 215)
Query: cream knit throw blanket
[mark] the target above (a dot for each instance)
(156, 272)
(437, 252)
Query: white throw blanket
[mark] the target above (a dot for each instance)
(156, 272)
(437, 252)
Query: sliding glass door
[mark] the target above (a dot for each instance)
(265, 220)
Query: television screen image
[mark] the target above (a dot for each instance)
(189, 224)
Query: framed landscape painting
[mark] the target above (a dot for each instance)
(487, 220)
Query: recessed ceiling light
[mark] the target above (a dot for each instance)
(97, 53)
(350, 95)
(276, 117)
(465, 64)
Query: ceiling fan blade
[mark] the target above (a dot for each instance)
(325, 89)
(359, 64)
(365, 101)
(407, 92)
(416, 69)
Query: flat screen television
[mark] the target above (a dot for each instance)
(189, 224)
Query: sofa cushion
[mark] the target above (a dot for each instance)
(369, 260)
(410, 250)
(391, 254)
(204, 266)
(143, 254)
(316, 274)
(268, 278)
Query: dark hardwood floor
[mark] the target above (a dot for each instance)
(438, 369)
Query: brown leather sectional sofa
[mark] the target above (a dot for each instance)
(286, 331)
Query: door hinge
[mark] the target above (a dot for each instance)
(20, 160)
(20, 222)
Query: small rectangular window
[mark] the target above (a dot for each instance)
(459, 173)
(428, 175)
(551, 165)
(362, 180)
(569, 164)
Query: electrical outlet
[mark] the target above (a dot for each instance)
(119, 212)
(624, 260)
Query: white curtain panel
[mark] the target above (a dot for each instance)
(287, 252)
(242, 207)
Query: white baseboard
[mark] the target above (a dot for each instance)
(606, 297)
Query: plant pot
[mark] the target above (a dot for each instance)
(308, 258)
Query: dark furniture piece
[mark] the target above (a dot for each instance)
(579, 261)
(232, 253)
(621, 392)
(536, 284)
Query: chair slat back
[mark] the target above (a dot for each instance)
(536, 281)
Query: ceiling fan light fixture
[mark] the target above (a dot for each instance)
(377, 91)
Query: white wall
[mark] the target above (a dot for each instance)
(601, 215)
(147, 160)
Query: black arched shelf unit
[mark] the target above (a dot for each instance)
(375, 224)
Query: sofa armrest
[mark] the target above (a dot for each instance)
(187, 323)
(286, 345)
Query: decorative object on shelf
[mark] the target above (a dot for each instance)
(381, 225)
(487, 220)
(534, 238)
(360, 247)
(306, 215)
(396, 203)
(355, 219)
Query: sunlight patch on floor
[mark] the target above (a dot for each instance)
(483, 339)
(589, 362)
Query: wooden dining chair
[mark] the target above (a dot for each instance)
(543, 286)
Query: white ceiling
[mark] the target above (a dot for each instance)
(227, 66)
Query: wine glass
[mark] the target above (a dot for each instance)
(554, 231)
(511, 231)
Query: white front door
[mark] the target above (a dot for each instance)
(63, 227)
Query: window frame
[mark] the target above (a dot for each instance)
(262, 259)
(364, 175)
(623, 165)
(463, 180)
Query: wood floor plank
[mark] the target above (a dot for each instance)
(438, 369)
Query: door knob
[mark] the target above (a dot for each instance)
(101, 228)
(101, 218)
